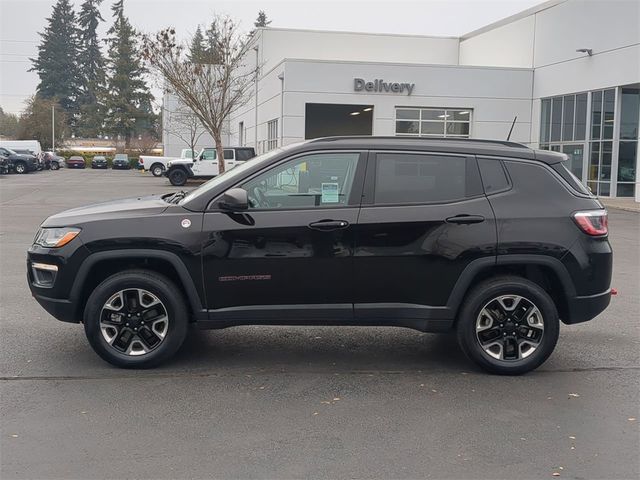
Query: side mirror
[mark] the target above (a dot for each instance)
(235, 200)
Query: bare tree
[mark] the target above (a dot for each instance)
(212, 89)
(186, 125)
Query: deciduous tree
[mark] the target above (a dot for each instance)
(35, 121)
(211, 91)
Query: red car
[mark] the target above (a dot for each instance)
(76, 161)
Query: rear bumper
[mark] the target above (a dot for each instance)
(584, 308)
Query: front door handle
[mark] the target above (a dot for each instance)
(465, 219)
(329, 225)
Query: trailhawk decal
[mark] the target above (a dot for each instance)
(243, 278)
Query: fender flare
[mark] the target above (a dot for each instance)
(186, 168)
(189, 286)
(465, 279)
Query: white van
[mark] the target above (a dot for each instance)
(31, 145)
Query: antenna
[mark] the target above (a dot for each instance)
(511, 129)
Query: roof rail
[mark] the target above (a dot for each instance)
(429, 139)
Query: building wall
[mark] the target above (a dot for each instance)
(175, 136)
(276, 44)
(509, 45)
(496, 96)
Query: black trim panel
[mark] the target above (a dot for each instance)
(172, 258)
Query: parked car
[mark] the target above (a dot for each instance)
(158, 165)
(19, 163)
(494, 240)
(28, 153)
(76, 161)
(52, 161)
(4, 164)
(121, 161)
(206, 164)
(99, 161)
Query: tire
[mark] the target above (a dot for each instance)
(177, 177)
(54, 166)
(493, 314)
(118, 344)
(157, 170)
(21, 168)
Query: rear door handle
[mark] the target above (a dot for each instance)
(465, 219)
(329, 225)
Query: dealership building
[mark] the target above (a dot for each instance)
(563, 75)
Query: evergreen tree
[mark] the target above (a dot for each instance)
(197, 48)
(93, 65)
(261, 21)
(128, 100)
(211, 54)
(57, 56)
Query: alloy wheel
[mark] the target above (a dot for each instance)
(509, 327)
(134, 321)
(157, 171)
(20, 168)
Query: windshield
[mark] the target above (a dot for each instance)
(236, 172)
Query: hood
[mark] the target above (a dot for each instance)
(126, 208)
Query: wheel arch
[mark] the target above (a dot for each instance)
(547, 272)
(98, 266)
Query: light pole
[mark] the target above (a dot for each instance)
(255, 133)
(53, 128)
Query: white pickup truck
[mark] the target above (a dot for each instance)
(205, 165)
(158, 165)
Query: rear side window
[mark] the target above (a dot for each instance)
(494, 178)
(244, 153)
(228, 154)
(570, 178)
(424, 178)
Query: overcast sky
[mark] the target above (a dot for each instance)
(21, 20)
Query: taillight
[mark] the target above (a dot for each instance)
(592, 222)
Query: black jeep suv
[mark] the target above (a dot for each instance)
(492, 239)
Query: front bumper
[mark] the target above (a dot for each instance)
(56, 293)
(61, 309)
(584, 308)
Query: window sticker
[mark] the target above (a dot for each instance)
(330, 193)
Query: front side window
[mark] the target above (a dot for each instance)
(433, 122)
(209, 154)
(309, 181)
(403, 178)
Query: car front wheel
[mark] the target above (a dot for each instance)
(508, 325)
(21, 168)
(177, 177)
(136, 319)
(54, 166)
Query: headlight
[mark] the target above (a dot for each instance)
(55, 237)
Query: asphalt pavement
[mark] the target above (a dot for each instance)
(304, 402)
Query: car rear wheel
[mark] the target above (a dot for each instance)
(508, 325)
(21, 168)
(178, 177)
(157, 170)
(136, 319)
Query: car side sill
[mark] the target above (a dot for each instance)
(419, 317)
